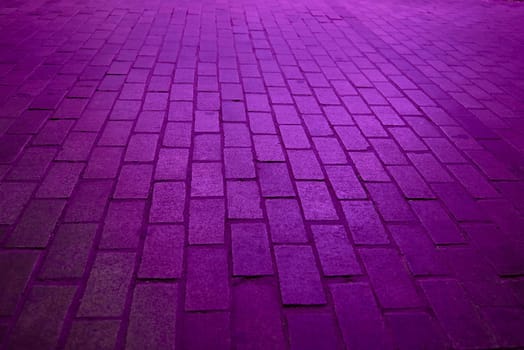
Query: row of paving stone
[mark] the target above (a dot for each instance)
(305, 175)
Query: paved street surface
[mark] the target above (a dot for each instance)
(272, 174)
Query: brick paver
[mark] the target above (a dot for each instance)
(236, 174)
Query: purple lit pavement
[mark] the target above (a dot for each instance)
(272, 174)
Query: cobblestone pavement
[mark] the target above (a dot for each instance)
(261, 174)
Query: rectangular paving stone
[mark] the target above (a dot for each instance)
(305, 165)
(410, 182)
(238, 163)
(338, 115)
(456, 314)
(389, 152)
(236, 135)
(77, 146)
(387, 115)
(389, 278)
(336, 254)
(32, 164)
(359, 317)
(274, 180)
(125, 110)
(11, 146)
(206, 121)
(233, 111)
(134, 181)
(184, 75)
(478, 277)
(437, 222)
(181, 92)
(71, 108)
(243, 200)
(268, 148)
(329, 150)
(208, 101)
(155, 101)
(345, 182)
(312, 330)
(461, 205)
(110, 83)
(444, 150)
(492, 167)
(299, 87)
(307, 105)
(123, 225)
(502, 213)
(116, 133)
(36, 224)
(150, 121)
(153, 325)
(369, 167)
(424, 128)
(422, 257)
(207, 286)
(430, 169)
(13, 197)
(389, 202)
(177, 135)
(285, 221)
(69, 251)
(317, 125)
(407, 139)
(168, 202)
(141, 148)
(403, 106)
(207, 147)
(370, 126)
(103, 163)
(316, 201)
(326, 96)
(294, 137)
(474, 182)
(172, 164)
(108, 284)
(503, 252)
(207, 180)
(286, 114)
(132, 91)
(89, 202)
(47, 307)
(404, 326)
(406, 134)
(513, 191)
(16, 268)
(181, 110)
(60, 180)
(257, 103)
(352, 138)
(206, 221)
(250, 250)
(364, 223)
(159, 84)
(356, 105)
(29, 122)
(213, 329)
(93, 334)
(298, 276)
(506, 324)
(162, 255)
(258, 325)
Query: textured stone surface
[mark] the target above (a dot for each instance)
(261, 175)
